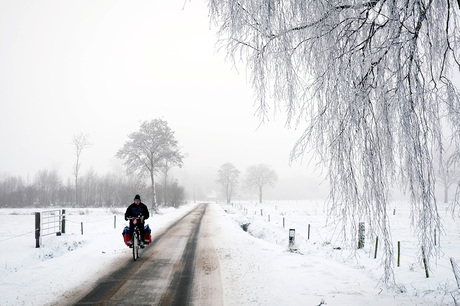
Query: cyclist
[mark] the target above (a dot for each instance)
(134, 210)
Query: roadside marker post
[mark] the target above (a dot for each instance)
(291, 238)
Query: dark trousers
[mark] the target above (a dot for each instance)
(141, 229)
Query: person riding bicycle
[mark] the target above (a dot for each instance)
(137, 209)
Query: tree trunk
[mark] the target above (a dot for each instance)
(166, 187)
(229, 194)
(76, 192)
(260, 195)
(76, 180)
(154, 194)
(446, 194)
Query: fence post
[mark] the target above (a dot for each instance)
(399, 252)
(268, 218)
(376, 246)
(424, 263)
(308, 231)
(261, 212)
(291, 238)
(63, 221)
(82, 228)
(115, 221)
(361, 235)
(283, 222)
(37, 229)
(456, 272)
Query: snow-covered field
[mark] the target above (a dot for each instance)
(255, 271)
(323, 269)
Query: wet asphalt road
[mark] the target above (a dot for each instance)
(179, 267)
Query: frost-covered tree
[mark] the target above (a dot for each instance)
(47, 185)
(80, 142)
(260, 176)
(368, 80)
(447, 172)
(148, 149)
(227, 178)
(172, 160)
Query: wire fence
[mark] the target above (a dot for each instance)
(53, 222)
(17, 236)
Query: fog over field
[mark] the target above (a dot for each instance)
(71, 68)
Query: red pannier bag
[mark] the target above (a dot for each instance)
(147, 235)
(126, 235)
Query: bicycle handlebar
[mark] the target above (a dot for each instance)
(141, 218)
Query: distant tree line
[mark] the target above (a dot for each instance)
(150, 151)
(47, 189)
(257, 177)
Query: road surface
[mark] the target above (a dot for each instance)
(179, 267)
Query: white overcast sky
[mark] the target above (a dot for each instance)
(101, 67)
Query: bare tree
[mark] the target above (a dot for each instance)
(89, 188)
(148, 149)
(228, 180)
(174, 159)
(47, 184)
(80, 142)
(447, 173)
(371, 80)
(259, 176)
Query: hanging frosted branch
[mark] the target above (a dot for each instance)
(370, 80)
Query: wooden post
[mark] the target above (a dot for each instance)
(284, 223)
(291, 238)
(376, 246)
(82, 228)
(268, 218)
(424, 263)
(37, 229)
(394, 211)
(361, 235)
(63, 221)
(261, 212)
(308, 231)
(115, 221)
(434, 236)
(456, 272)
(399, 252)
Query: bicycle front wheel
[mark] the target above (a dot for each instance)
(135, 247)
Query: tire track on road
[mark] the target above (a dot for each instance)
(183, 278)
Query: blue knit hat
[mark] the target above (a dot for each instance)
(137, 197)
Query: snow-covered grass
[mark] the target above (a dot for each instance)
(355, 271)
(257, 267)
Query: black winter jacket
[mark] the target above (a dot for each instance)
(134, 210)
